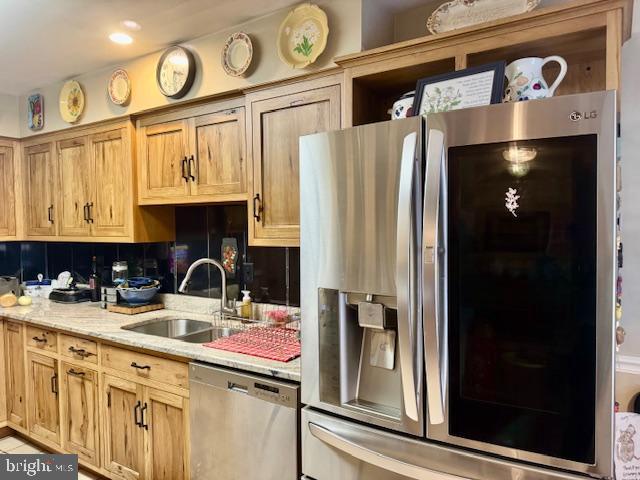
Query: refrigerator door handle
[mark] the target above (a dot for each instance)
(430, 277)
(406, 320)
(375, 458)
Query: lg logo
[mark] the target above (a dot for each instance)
(576, 116)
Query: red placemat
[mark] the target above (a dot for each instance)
(280, 344)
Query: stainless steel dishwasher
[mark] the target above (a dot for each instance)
(242, 426)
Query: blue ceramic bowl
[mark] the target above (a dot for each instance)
(139, 282)
(137, 296)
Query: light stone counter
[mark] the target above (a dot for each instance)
(90, 320)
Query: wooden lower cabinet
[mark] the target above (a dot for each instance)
(166, 423)
(43, 387)
(79, 412)
(15, 375)
(121, 425)
(121, 428)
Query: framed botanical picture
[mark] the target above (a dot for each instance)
(35, 111)
(471, 87)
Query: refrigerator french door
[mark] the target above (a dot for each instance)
(457, 288)
(518, 280)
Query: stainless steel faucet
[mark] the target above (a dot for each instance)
(185, 283)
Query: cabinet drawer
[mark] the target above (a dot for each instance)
(78, 348)
(42, 339)
(146, 366)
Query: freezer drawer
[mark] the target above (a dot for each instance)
(242, 426)
(333, 448)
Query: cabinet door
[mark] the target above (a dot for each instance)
(122, 435)
(163, 161)
(79, 409)
(7, 193)
(219, 166)
(277, 125)
(3, 372)
(44, 412)
(111, 162)
(74, 171)
(39, 190)
(166, 423)
(15, 368)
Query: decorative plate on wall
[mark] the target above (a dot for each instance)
(303, 35)
(175, 72)
(35, 111)
(237, 54)
(119, 87)
(464, 13)
(71, 101)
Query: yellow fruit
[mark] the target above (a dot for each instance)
(24, 300)
(8, 300)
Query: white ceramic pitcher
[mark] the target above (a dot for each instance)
(526, 81)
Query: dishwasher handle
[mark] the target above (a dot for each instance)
(236, 387)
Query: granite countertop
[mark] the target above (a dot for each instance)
(89, 319)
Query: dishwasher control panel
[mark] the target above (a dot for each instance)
(272, 391)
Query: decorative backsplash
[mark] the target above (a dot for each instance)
(273, 276)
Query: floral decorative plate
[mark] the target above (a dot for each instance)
(119, 87)
(464, 13)
(303, 35)
(71, 101)
(237, 54)
(35, 111)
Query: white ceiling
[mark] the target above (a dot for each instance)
(45, 41)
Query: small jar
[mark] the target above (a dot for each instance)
(119, 272)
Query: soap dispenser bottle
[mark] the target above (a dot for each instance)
(246, 304)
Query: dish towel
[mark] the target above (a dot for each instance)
(280, 344)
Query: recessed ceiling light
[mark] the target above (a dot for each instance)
(121, 38)
(131, 25)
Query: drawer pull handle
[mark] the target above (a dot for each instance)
(86, 212)
(39, 340)
(50, 213)
(89, 216)
(77, 374)
(142, 424)
(140, 367)
(135, 414)
(81, 352)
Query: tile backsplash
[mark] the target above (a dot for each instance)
(271, 273)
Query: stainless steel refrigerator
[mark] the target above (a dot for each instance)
(457, 294)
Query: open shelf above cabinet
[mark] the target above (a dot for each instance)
(588, 34)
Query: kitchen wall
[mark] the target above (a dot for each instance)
(272, 274)
(9, 122)
(344, 37)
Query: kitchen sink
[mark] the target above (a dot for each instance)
(170, 327)
(185, 329)
(209, 335)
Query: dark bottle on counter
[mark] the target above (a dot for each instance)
(94, 281)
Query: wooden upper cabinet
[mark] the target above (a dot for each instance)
(217, 168)
(79, 412)
(163, 160)
(15, 375)
(40, 182)
(44, 411)
(276, 126)
(122, 435)
(7, 193)
(108, 213)
(76, 187)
